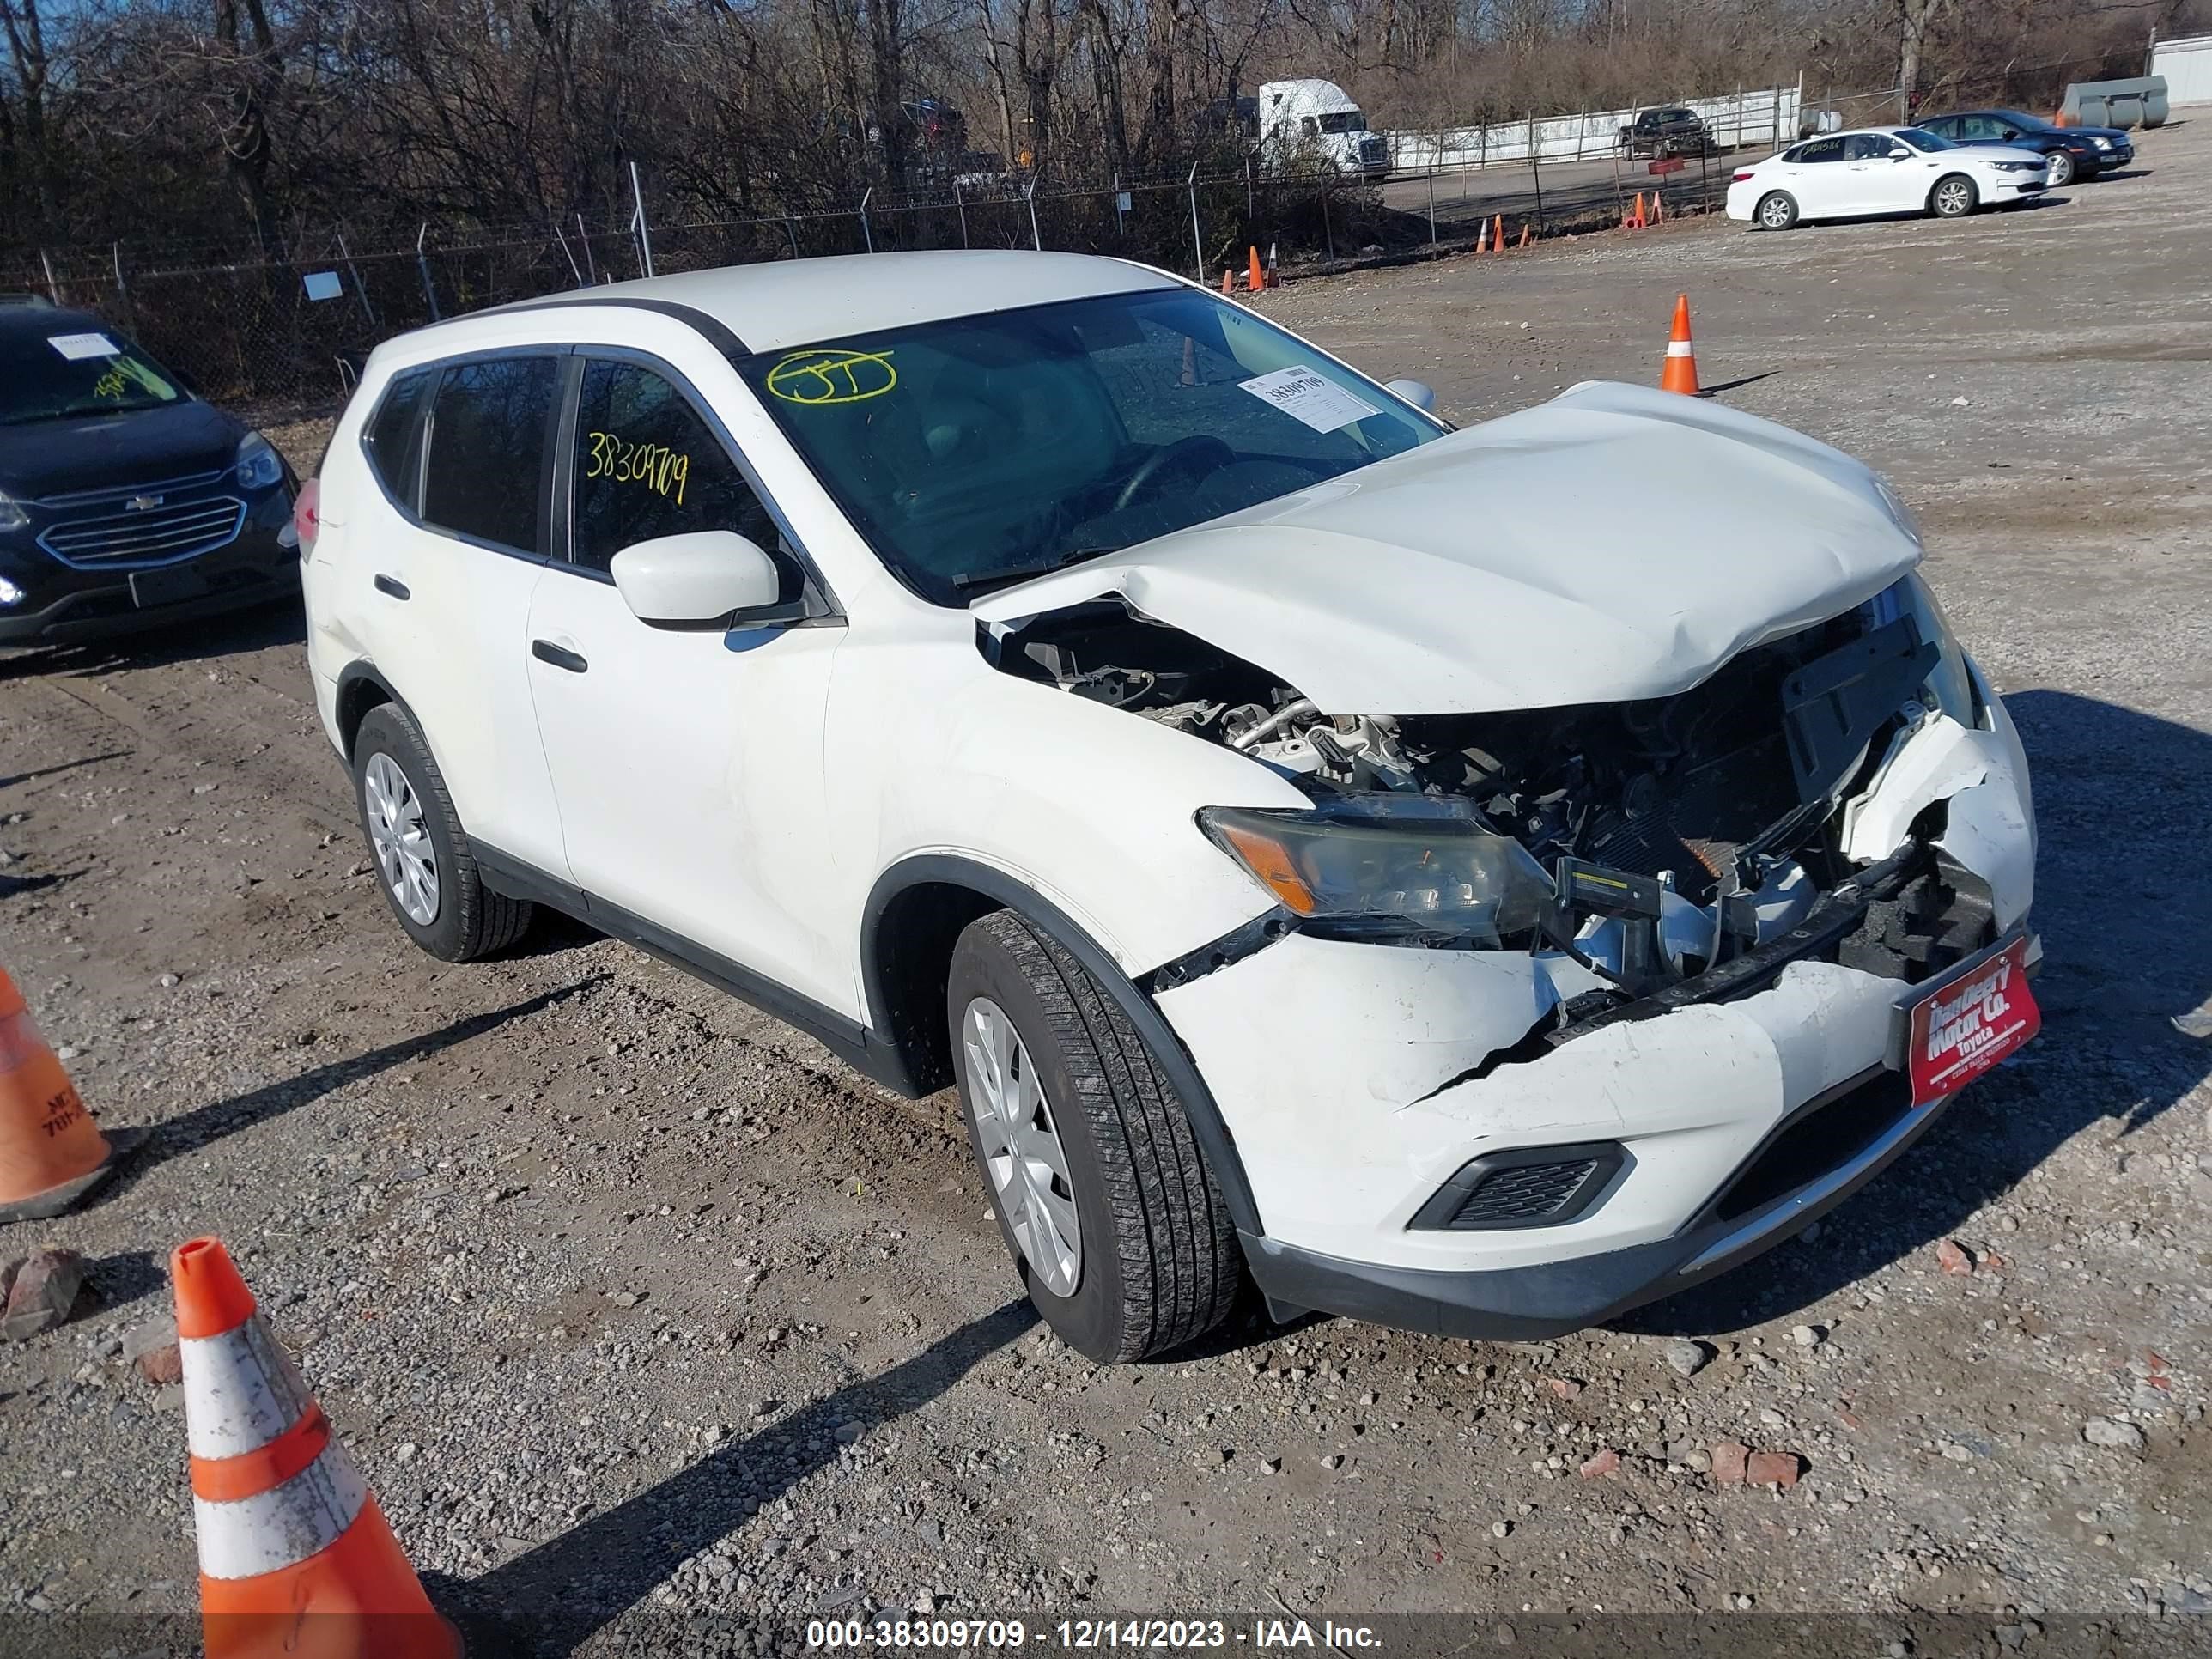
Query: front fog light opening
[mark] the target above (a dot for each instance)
(1527, 1187)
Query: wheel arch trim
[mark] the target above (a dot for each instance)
(947, 869)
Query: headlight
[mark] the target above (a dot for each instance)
(9, 593)
(2102, 143)
(12, 516)
(1950, 688)
(1389, 866)
(258, 466)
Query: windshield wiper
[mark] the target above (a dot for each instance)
(1008, 575)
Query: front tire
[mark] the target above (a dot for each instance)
(1953, 198)
(1776, 211)
(1101, 1194)
(417, 848)
(2060, 172)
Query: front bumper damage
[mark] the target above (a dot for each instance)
(1358, 1079)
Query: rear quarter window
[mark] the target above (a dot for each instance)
(393, 436)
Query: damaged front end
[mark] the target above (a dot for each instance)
(1653, 852)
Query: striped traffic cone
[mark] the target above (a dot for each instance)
(296, 1559)
(52, 1154)
(1680, 372)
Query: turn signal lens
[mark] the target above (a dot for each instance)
(307, 520)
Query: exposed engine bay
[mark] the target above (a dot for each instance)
(1678, 830)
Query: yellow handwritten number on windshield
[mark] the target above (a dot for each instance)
(832, 377)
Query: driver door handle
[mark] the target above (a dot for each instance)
(559, 656)
(393, 585)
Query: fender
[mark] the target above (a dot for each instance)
(356, 673)
(1207, 1123)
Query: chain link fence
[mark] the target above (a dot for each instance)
(290, 331)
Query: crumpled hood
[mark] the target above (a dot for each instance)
(1612, 545)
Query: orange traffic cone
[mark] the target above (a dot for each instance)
(295, 1557)
(1254, 278)
(1226, 287)
(1497, 234)
(1525, 236)
(1658, 209)
(1680, 372)
(51, 1153)
(1636, 219)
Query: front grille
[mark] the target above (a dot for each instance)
(154, 535)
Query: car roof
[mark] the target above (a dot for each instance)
(793, 302)
(33, 315)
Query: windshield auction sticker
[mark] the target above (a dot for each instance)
(831, 376)
(74, 346)
(1303, 395)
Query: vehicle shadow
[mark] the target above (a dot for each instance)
(191, 1131)
(555, 1597)
(280, 621)
(2128, 946)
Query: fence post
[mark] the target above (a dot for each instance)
(961, 203)
(644, 230)
(1121, 229)
(1197, 248)
(591, 265)
(574, 270)
(122, 288)
(867, 234)
(1433, 205)
(54, 292)
(344, 253)
(1247, 188)
(1327, 231)
(1536, 174)
(423, 267)
(1036, 237)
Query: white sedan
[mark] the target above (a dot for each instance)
(1849, 175)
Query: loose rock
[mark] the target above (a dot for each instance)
(1685, 1357)
(1729, 1460)
(1951, 1257)
(2119, 1437)
(1769, 1469)
(41, 1291)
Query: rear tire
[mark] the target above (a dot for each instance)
(1776, 211)
(418, 847)
(1954, 197)
(1083, 1123)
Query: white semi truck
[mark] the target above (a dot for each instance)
(1317, 120)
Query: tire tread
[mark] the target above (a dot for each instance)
(1181, 1265)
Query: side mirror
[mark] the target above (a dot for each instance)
(704, 579)
(1900, 155)
(1414, 392)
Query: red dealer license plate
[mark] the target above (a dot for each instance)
(1967, 1027)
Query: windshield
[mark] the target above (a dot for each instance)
(1343, 120)
(71, 373)
(982, 450)
(1922, 139)
(2025, 122)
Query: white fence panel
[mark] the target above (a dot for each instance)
(2187, 67)
(1766, 117)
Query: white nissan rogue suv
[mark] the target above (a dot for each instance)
(1472, 880)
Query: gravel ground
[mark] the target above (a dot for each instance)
(637, 1307)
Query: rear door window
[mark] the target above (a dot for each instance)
(1824, 149)
(484, 476)
(391, 433)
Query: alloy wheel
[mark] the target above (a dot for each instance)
(400, 840)
(1953, 196)
(1775, 215)
(1021, 1147)
(2062, 169)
